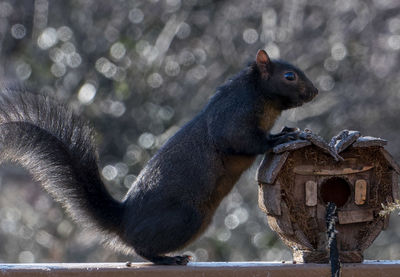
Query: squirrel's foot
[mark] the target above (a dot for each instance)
(167, 260)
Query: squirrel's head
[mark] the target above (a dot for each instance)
(283, 83)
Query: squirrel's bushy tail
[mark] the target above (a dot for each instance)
(57, 149)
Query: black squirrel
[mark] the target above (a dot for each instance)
(176, 194)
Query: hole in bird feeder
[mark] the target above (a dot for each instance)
(336, 190)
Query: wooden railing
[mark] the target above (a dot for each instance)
(366, 269)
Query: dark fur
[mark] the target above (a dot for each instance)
(58, 150)
(177, 192)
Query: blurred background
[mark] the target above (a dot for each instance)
(139, 69)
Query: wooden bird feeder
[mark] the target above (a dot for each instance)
(297, 180)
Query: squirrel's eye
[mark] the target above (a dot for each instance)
(290, 76)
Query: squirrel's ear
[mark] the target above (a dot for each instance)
(263, 63)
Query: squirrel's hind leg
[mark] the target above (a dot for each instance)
(164, 231)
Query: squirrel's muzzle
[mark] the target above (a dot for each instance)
(309, 95)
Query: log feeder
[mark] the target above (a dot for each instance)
(297, 179)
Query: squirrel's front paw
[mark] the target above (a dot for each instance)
(281, 138)
(285, 131)
(289, 130)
